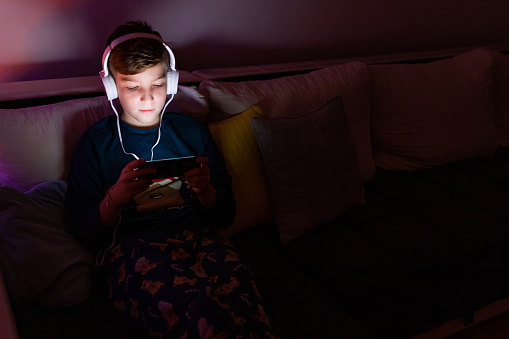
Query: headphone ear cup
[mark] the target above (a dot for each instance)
(109, 85)
(172, 82)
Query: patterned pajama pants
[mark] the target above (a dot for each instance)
(190, 285)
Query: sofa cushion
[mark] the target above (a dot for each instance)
(189, 101)
(295, 95)
(39, 258)
(501, 90)
(425, 115)
(311, 167)
(37, 143)
(239, 147)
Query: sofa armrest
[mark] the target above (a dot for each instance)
(8, 328)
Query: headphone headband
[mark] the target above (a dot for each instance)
(117, 41)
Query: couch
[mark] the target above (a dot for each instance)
(372, 198)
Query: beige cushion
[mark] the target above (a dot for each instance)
(36, 143)
(425, 115)
(295, 95)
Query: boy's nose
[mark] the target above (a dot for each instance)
(147, 95)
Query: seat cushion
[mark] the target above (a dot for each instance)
(428, 246)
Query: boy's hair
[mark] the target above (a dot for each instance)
(136, 55)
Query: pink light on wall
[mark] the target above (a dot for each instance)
(65, 38)
(38, 32)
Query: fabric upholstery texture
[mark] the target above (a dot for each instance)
(36, 143)
(298, 94)
(425, 115)
(239, 147)
(311, 167)
(38, 256)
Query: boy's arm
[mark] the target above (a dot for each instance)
(93, 201)
(85, 188)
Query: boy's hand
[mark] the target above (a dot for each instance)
(199, 181)
(131, 182)
(199, 178)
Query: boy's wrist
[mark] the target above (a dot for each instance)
(109, 200)
(109, 211)
(108, 197)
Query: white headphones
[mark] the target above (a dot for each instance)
(172, 77)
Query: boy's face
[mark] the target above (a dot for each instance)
(142, 96)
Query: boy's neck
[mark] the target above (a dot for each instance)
(134, 124)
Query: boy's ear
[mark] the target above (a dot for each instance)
(109, 86)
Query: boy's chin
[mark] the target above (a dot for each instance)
(144, 123)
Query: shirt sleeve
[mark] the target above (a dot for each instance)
(85, 191)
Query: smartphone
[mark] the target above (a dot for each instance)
(167, 168)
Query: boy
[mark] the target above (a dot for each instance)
(168, 270)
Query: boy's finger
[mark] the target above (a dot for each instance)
(134, 164)
(202, 161)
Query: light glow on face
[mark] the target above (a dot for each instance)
(142, 96)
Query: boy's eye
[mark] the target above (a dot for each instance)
(158, 85)
(132, 88)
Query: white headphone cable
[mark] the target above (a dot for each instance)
(102, 252)
(160, 124)
(119, 132)
(158, 132)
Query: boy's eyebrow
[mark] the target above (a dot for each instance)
(126, 78)
(131, 79)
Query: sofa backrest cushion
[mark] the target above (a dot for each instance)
(37, 143)
(311, 167)
(238, 144)
(295, 95)
(425, 115)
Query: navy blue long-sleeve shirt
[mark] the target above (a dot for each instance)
(99, 159)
